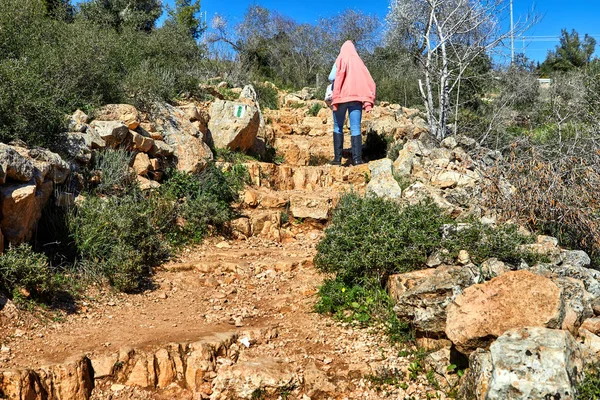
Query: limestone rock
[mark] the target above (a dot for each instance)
(485, 311)
(112, 132)
(103, 366)
(161, 149)
(242, 379)
(125, 113)
(577, 303)
(78, 121)
(475, 383)
(70, 380)
(418, 192)
(310, 206)
(193, 155)
(589, 277)
(183, 138)
(141, 142)
(13, 165)
(316, 382)
(592, 325)
(527, 363)
(21, 206)
(233, 125)
(141, 164)
(76, 148)
(48, 164)
(577, 258)
(382, 183)
(422, 296)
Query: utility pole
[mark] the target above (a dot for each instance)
(512, 34)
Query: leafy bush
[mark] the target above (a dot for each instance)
(589, 388)
(268, 97)
(373, 237)
(115, 239)
(115, 174)
(51, 66)
(485, 241)
(21, 267)
(202, 201)
(314, 109)
(366, 303)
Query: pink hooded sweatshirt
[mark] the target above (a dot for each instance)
(353, 82)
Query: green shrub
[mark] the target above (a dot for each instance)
(116, 176)
(21, 267)
(202, 200)
(486, 241)
(589, 388)
(268, 97)
(314, 109)
(115, 239)
(366, 303)
(52, 66)
(373, 237)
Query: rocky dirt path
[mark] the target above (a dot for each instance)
(255, 285)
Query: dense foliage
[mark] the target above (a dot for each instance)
(106, 52)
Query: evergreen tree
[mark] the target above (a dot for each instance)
(185, 15)
(571, 53)
(137, 14)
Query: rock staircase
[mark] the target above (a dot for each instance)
(243, 307)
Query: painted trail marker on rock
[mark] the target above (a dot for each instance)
(239, 111)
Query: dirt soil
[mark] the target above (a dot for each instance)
(216, 287)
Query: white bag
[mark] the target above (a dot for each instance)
(329, 92)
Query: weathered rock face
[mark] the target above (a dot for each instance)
(526, 363)
(422, 296)
(310, 206)
(48, 165)
(245, 377)
(382, 183)
(13, 165)
(485, 311)
(233, 125)
(22, 206)
(182, 138)
(125, 113)
(112, 132)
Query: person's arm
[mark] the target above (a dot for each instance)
(332, 73)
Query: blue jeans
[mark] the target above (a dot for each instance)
(355, 110)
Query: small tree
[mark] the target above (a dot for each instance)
(138, 14)
(446, 37)
(185, 15)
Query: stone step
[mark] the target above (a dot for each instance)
(192, 366)
(309, 178)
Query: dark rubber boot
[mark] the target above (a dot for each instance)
(356, 150)
(338, 147)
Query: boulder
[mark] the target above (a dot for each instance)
(49, 165)
(21, 206)
(526, 363)
(141, 164)
(589, 277)
(382, 183)
(310, 206)
(13, 165)
(93, 140)
(125, 113)
(161, 149)
(485, 311)
(112, 132)
(576, 258)
(141, 142)
(70, 380)
(577, 303)
(183, 138)
(418, 192)
(76, 148)
(422, 296)
(193, 155)
(233, 125)
(245, 378)
(78, 121)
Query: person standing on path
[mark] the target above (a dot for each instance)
(353, 91)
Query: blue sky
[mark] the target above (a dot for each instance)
(581, 15)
